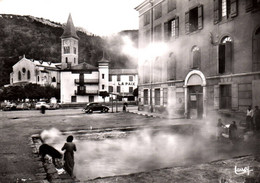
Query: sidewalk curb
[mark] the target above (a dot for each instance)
(155, 116)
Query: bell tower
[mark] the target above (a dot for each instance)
(69, 45)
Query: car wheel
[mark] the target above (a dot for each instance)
(90, 111)
(105, 110)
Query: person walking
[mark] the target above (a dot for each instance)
(249, 118)
(69, 148)
(256, 118)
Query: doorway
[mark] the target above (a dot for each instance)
(195, 102)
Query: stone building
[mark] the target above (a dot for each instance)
(199, 56)
(35, 71)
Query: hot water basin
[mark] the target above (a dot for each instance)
(110, 152)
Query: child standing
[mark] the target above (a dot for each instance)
(69, 148)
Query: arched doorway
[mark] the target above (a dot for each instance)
(195, 95)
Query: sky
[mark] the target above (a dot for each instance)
(100, 17)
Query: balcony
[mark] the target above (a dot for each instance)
(87, 81)
(86, 92)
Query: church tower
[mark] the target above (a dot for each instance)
(69, 45)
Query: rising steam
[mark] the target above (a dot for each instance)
(142, 150)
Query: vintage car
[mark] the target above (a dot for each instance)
(39, 105)
(94, 106)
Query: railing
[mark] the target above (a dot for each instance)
(87, 92)
(87, 81)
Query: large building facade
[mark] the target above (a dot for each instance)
(199, 56)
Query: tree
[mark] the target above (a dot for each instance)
(104, 94)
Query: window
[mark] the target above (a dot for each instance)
(75, 50)
(81, 78)
(103, 87)
(131, 89)
(103, 76)
(146, 72)
(252, 5)
(131, 78)
(256, 50)
(118, 77)
(171, 5)
(158, 11)
(171, 67)
(28, 75)
(66, 59)
(110, 77)
(23, 70)
(195, 57)
(110, 89)
(158, 33)
(19, 76)
(194, 19)
(118, 89)
(165, 96)
(157, 96)
(73, 99)
(81, 90)
(147, 18)
(171, 28)
(74, 60)
(53, 79)
(224, 9)
(225, 97)
(225, 55)
(91, 98)
(145, 97)
(157, 70)
(66, 49)
(38, 78)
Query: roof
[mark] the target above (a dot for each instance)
(45, 63)
(83, 66)
(123, 71)
(69, 30)
(41, 63)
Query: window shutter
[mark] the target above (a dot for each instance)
(217, 11)
(176, 26)
(228, 57)
(200, 17)
(233, 6)
(166, 31)
(216, 96)
(187, 23)
(221, 54)
(249, 5)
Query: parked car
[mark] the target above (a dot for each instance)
(38, 105)
(23, 106)
(9, 106)
(94, 106)
(54, 106)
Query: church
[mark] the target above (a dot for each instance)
(78, 82)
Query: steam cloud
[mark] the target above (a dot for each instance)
(141, 151)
